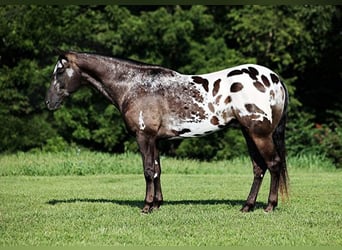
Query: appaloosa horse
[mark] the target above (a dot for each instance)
(159, 103)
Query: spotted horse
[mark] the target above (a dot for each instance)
(158, 103)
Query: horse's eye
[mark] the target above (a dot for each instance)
(60, 70)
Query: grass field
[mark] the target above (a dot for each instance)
(77, 199)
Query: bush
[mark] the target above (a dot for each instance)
(306, 137)
(222, 145)
(329, 142)
(24, 133)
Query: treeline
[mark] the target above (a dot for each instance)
(301, 43)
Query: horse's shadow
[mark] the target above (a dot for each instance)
(139, 203)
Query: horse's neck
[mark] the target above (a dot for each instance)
(106, 75)
(114, 78)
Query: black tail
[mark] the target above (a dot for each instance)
(279, 141)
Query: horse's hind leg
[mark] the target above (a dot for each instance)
(259, 169)
(264, 156)
(273, 162)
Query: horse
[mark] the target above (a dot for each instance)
(157, 103)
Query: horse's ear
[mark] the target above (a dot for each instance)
(61, 53)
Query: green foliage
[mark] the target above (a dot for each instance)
(55, 144)
(298, 42)
(223, 145)
(330, 142)
(315, 139)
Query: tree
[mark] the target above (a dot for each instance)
(298, 42)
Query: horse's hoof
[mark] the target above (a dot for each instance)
(157, 204)
(147, 209)
(247, 208)
(269, 208)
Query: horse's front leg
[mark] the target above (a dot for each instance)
(150, 157)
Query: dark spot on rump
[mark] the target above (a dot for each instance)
(253, 71)
(221, 126)
(228, 100)
(274, 78)
(251, 75)
(206, 86)
(216, 87)
(236, 86)
(252, 108)
(214, 120)
(234, 73)
(265, 81)
(218, 98)
(259, 86)
(208, 132)
(197, 79)
(200, 80)
(245, 71)
(211, 107)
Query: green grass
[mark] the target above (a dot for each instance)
(90, 163)
(95, 199)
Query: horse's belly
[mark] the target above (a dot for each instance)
(193, 128)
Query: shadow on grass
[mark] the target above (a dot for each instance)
(139, 203)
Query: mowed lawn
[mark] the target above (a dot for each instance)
(95, 199)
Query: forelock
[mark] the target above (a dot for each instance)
(59, 65)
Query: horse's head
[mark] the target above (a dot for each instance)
(66, 79)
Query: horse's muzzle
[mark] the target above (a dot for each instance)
(52, 106)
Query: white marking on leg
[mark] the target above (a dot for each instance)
(141, 121)
(155, 174)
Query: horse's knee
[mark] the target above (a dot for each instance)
(274, 164)
(149, 174)
(259, 172)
